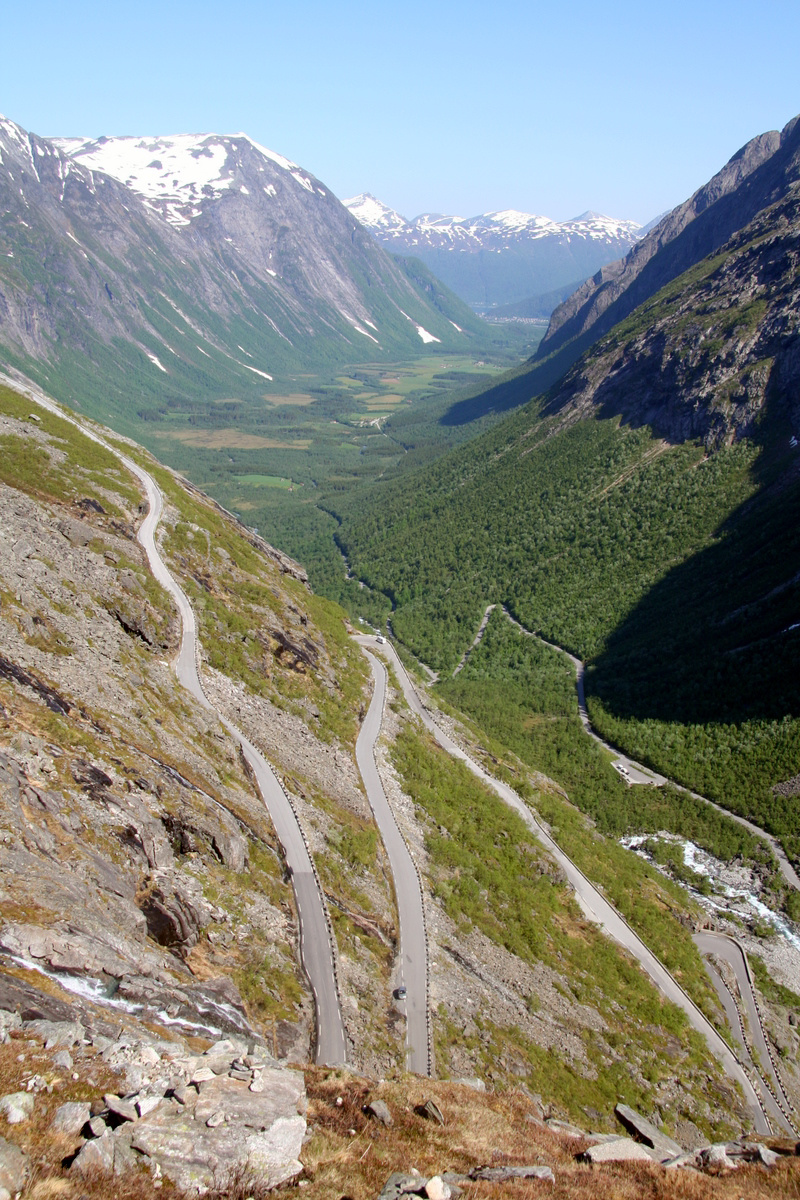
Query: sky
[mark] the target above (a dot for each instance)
(460, 108)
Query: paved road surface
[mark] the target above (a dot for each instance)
(413, 965)
(315, 936)
(729, 949)
(633, 771)
(594, 905)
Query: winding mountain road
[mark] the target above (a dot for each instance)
(413, 957)
(593, 904)
(316, 939)
(633, 771)
(775, 1099)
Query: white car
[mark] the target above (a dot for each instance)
(380, 638)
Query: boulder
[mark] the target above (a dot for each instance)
(503, 1174)
(717, 1156)
(259, 1132)
(13, 1167)
(70, 1118)
(620, 1150)
(379, 1109)
(124, 1109)
(664, 1147)
(56, 1034)
(403, 1183)
(97, 1155)
(16, 1107)
(8, 1021)
(437, 1189)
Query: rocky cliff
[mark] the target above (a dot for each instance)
(757, 176)
(708, 352)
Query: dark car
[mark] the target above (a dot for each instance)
(399, 993)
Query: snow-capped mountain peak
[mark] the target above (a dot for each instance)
(500, 257)
(177, 174)
(374, 214)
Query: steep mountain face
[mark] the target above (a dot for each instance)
(706, 354)
(219, 268)
(643, 513)
(754, 178)
(499, 257)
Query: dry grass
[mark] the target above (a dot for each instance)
(352, 1155)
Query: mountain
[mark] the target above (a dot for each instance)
(503, 257)
(147, 903)
(755, 177)
(165, 270)
(643, 512)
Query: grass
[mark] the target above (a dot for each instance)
(351, 1154)
(488, 872)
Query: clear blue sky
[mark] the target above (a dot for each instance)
(447, 106)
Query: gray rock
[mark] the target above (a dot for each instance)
(202, 1075)
(472, 1081)
(432, 1111)
(70, 1118)
(63, 1060)
(56, 1033)
(437, 1189)
(689, 1159)
(717, 1156)
(13, 1167)
(564, 1127)
(16, 1107)
(767, 1157)
(402, 1183)
(97, 1126)
(263, 1133)
(379, 1109)
(620, 1150)
(648, 1133)
(502, 1174)
(97, 1155)
(120, 1108)
(8, 1021)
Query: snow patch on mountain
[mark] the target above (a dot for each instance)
(372, 213)
(493, 229)
(176, 174)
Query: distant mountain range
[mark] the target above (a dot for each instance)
(141, 271)
(500, 258)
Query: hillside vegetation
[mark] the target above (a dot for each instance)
(644, 515)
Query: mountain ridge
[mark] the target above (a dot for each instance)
(467, 253)
(97, 282)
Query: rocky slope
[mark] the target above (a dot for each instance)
(499, 258)
(756, 177)
(704, 356)
(143, 891)
(112, 295)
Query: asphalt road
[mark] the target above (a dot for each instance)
(315, 936)
(633, 771)
(412, 971)
(593, 904)
(727, 948)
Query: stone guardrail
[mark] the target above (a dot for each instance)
(763, 1079)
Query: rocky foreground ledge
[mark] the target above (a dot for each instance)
(98, 1109)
